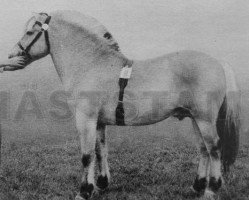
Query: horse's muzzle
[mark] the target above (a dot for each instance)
(16, 51)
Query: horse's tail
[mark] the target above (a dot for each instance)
(228, 121)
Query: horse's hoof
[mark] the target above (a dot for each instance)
(86, 191)
(209, 195)
(215, 184)
(102, 182)
(199, 185)
(78, 197)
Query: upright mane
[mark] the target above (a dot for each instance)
(90, 24)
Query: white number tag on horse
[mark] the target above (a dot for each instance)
(126, 72)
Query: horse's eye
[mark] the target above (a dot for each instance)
(29, 32)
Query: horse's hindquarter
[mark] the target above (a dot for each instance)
(200, 81)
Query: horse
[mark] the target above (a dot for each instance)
(183, 84)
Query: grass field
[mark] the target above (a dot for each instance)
(146, 163)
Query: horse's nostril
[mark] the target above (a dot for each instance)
(10, 56)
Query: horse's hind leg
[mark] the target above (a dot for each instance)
(201, 179)
(209, 171)
(86, 125)
(101, 157)
(215, 180)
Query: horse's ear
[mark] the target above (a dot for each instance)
(31, 21)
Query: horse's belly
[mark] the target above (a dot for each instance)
(141, 116)
(142, 111)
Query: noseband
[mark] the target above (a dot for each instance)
(44, 28)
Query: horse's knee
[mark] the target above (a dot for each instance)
(204, 151)
(86, 160)
(215, 152)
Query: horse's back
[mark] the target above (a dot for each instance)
(183, 69)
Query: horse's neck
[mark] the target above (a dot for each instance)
(73, 54)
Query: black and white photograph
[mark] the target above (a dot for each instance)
(124, 100)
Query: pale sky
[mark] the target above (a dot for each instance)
(149, 28)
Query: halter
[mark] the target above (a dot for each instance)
(44, 28)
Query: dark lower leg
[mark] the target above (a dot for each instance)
(101, 158)
(201, 182)
(215, 181)
(87, 184)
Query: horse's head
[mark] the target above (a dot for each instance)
(35, 42)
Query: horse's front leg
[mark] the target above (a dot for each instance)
(86, 123)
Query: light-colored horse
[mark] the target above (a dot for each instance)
(181, 84)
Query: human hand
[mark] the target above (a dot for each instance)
(18, 61)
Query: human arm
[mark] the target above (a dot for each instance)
(13, 64)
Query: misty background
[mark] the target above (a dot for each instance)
(143, 28)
